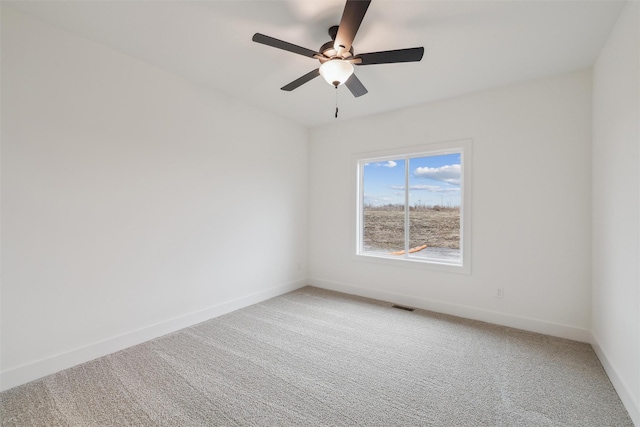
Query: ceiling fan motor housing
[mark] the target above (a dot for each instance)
(329, 51)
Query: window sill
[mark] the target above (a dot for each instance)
(414, 262)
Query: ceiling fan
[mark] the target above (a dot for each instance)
(336, 56)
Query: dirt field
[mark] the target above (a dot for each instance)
(435, 227)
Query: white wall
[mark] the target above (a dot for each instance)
(133, 202)
(531, 205)
(616, 208)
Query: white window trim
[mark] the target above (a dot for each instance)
(464, 147)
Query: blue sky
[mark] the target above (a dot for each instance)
(433, 180)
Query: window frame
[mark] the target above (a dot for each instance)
(464, 147)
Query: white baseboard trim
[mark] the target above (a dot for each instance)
(50, 365)
(518, 322)
(632, 405)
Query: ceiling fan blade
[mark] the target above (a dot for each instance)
(302, 80)
(352, 17)
(413, 54)
(270, 41)
(355, 86)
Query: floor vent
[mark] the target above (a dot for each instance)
(400, 307)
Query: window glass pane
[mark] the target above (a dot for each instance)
(434, 207)
(383, 206)
(417, 191)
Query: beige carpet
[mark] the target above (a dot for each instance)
(320, 358)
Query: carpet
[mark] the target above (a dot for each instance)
(314, 357)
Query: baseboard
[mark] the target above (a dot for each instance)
(50, 365)
(632, 405)
(518, 322)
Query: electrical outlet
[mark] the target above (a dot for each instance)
(499, 293)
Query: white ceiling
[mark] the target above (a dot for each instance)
(469, 45)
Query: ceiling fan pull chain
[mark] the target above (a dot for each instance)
(336, 102)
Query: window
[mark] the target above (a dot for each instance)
(414, 205)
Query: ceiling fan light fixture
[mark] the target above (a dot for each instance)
(336, 71)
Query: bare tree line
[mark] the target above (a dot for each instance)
(399, 207)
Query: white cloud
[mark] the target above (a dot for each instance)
(387, 164)
(448, 173)
(429, 188)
